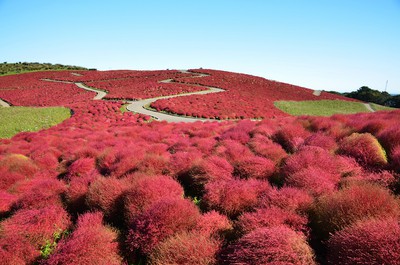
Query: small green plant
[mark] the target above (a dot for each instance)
(50, 245)
(196, 201)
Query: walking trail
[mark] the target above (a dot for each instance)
(142, 106)
(368, 106)
(4, 104)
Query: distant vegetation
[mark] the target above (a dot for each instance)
(27, 119)
(320, 107)
(367, 94)
(17, 68)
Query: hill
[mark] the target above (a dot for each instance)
(112, 187)
(23, 67)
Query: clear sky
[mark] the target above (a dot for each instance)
(332, 45)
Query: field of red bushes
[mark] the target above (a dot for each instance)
(246, 96)
(106, 187)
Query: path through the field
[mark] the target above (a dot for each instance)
(142, 106)
(368, 106)
(4, 104)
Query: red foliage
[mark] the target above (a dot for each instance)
(17, 250)
(365, 148)
(146, 191)
(105, 194)
(370, 242)
(291, 137)
(81, 167)
(354, 203)
(263, 146)
(395, 161)
(232, 197)
(273, 245)
(162, 220)
(6, 202)
(288, 198)
(41, 193)
(8, 179)
(37, 226)
(213, 224)
(17, 163)
(255, 167)
(390, 138)
(90, 243)
(77, 191)
(269, 217)
(314, 180)
(321, 140)
(245, 97)
(186, 248)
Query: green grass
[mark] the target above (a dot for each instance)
(27, 119)
(378, 107)
(19, 68)
(320, 107)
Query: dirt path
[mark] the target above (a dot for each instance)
(140, 106)
(4, 104)
(317, 93)
(368, 106)
(100, 93)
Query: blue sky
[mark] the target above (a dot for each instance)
(332, 45)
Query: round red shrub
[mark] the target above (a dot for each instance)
(6, 201)
(369, 242)
(234, 196)
(37, 226)
(41, 193)
(17, 250)
(273, 245)
(186, 248)
(17, 163)
(7, 179)
(81, 167)
(326, 142)
(255, 167)
(365, 148)
(90, 243)
(147, 191)
(288, 198)
(291, 137)
(314, 180)
(265, 147)
(76, 193)
(105, 194)
(357, 202)
(160, 221)
(269, 217)
(395, 159)
(213, 224)
(390, 138)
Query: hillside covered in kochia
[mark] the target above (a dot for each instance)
(106, 187)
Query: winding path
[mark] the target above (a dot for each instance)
(4, 104)
(368, 106)
(141, 106)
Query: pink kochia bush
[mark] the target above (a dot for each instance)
(162, 220)
(273, 245)
(189, 248)
(234, 196)
(37, 226)
(357, 202)
(146, 191)
(365, 148)
(372, 242)
(90, 243)
(255, 167)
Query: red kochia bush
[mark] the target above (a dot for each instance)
(354, 203)
(234, 196)
(213, 224)
(161, 220)
(6, 201)
(291, 136)
(370, 242)
(255, 167)
(81, 167)
(186, 248)
(365, 148)
(314, 180)
(90, 243)
(390, 138)
(37, 226)
(104, 194)
(269, 217)
(396, 159)
(288, 198)
(77, 192)
(273, 245)
(17, 163)
(265, 147)
(41, 193)
(147, 191)
(17, 250)
(321, 140)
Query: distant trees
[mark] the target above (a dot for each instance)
(367, 94)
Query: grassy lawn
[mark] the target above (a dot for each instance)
(27, 119)
(377, 107)
(320, 107)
